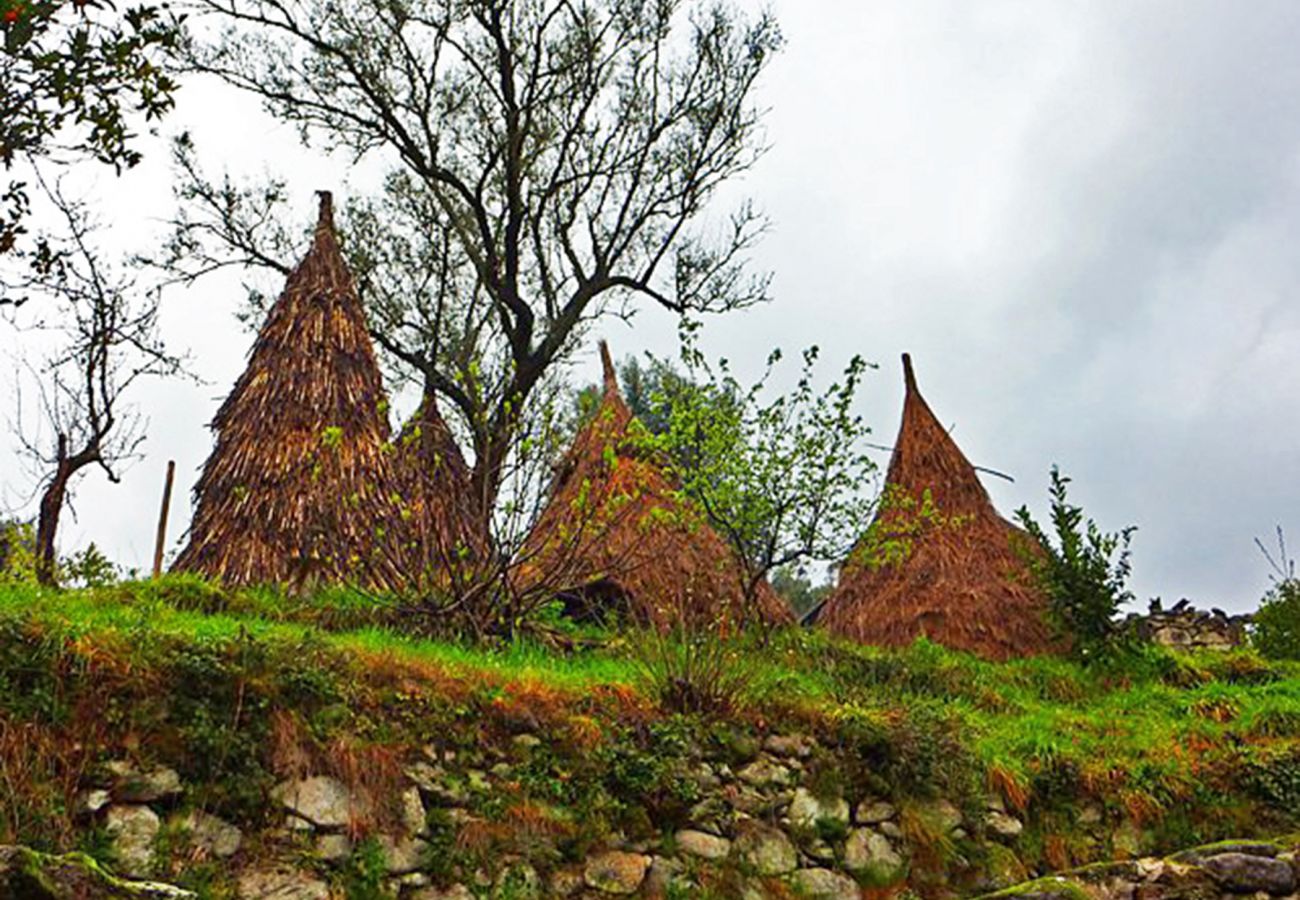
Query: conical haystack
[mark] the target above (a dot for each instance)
(299, 488)
(613, 535)
(938, 560)
(435, 483)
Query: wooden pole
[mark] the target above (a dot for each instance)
(162, 519)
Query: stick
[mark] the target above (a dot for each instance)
(162, 519)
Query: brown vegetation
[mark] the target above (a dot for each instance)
(938, 561)
(300, 487)
(615, 534)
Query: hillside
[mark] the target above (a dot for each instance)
(248, 744)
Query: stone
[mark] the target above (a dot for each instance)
(297, 825)
(870, 852)
(616, 872)
(666, 874)
(1004, 825)
(92, 801)
(402, 854)
(819, 851)
(566, 882)
(768, 850)
(133, 830)
(764, 772)
(807, 810)
(756, 803)
(281, 884)
(788, 745)
(27, 875)
(943, 815)
(1240, 873)
(890, 830)
(455, 892)
(517, 881)
(703, 845)
(160, 784)
(211, 834)
(333, 848)
(823, 884)
(711, 814)
(414, 816)
(428, 778)
(526, 742)
(325, 802)
(872, 812)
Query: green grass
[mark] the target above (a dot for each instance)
(1201, 745)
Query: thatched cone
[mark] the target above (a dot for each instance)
(435, 483)
(299, 488)
(938, 560)
(612, 535)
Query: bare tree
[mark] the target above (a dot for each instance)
(552, 159)
(107, 339)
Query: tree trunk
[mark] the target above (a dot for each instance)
(48, 524)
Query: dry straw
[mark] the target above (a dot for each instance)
(435, 483)
(300, 487)
(616, 533)
(938, 560)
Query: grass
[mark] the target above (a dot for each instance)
(1196, 747)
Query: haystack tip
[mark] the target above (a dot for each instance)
(325, 218)
(607, 364)
(909, 377)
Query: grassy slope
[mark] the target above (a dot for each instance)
(1196, 747)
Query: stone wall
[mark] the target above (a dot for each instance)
(766, 823)
(1183, 627)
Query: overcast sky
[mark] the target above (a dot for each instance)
(1082, 219)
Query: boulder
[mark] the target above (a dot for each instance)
(1004, 825)
(30, 875)
(616, 872)
(455, 892)
(211, 834)
(323, 801)
(402, 855)
(281, 884)
(872, 812)
(763, 773)
(766, 849)
(148, 787)
(133, 831)
(796, 746)
(806, 810)
(823, 884)
(702, 844)
(1240, 873)
(333, 848)
(871, 853)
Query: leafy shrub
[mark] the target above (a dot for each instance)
(1277, 623)
(17, 552)
(1084, 579)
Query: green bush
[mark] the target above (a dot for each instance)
(1277, 623)
(1081, 573)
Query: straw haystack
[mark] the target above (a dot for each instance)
(938, 560)
(614, 536)
(435, 484)
(299, 488)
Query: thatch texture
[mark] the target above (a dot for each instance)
(299, 488)
(938, 560)
(613, 534)
(435, 484)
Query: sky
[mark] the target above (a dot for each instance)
(1081, 219)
